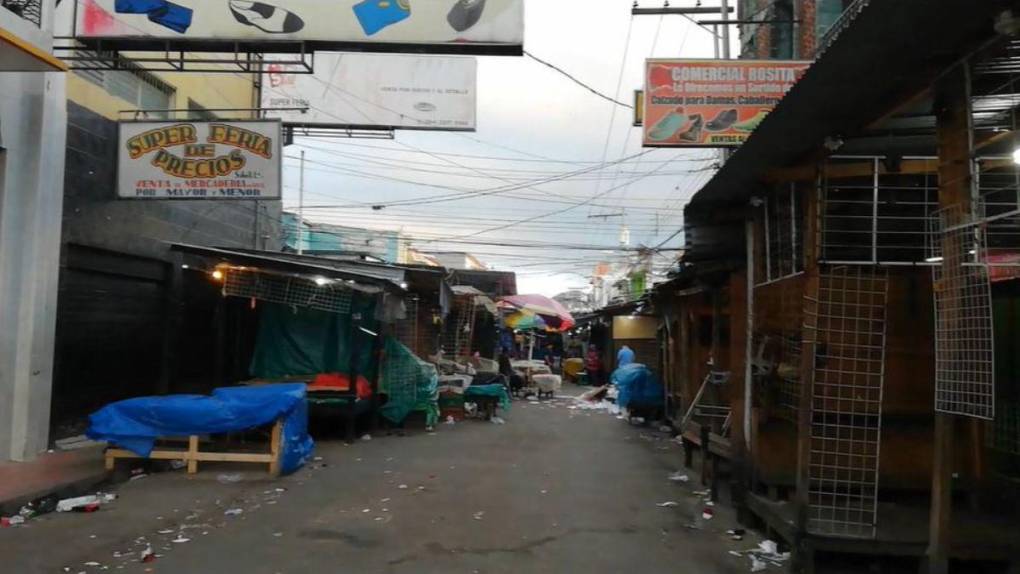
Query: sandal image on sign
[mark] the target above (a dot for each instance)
(723, 121)
(751, 123)
(465, 14)
(266, 17)
(668, 126)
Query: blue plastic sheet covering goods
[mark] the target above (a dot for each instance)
(409, 384)
(638, 386)
(135, 424)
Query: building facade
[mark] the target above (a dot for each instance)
(32, 131)
(787, 29)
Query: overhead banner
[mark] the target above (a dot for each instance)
(449, 26)
(712, 103)
(376, 91)
(199, 160)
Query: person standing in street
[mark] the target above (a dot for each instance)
(624, 357)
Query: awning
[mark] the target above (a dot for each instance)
(20, 55)
(481, 299)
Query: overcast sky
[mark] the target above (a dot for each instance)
(533, 124)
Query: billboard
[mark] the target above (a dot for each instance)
(454, 26)
(712, 103)
(199, 160)
(376, 91)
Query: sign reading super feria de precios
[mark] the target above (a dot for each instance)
(199, 160)
(712, 103)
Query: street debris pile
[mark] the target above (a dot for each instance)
(51, 503)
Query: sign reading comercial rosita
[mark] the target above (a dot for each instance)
(712, 103)
(199, 160)
(441, 26)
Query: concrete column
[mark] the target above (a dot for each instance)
(33, 127)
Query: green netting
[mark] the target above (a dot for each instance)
(297, 341)
(410, 384)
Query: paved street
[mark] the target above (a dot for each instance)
(553, 490)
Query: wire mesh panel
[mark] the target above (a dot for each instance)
(847, 321)
(287, 290)
(457, 333)
(406, 330)
(964, 340)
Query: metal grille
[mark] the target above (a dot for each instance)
(1005, 430)
(847, 321)
(287, 290)
(878, 217)
(783, 244)
(406, 330)
(964, 341)
(30, 10)
(401, 373)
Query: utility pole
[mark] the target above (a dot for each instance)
(301, 207)
(719, 38)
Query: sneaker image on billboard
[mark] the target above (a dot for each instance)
(266, 17)
(465, 14)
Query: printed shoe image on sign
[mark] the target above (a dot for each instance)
(668, 126)
(723, 121)
(374, 15)
(266, 17)
(692, 131)
(751, 123)
(465, 14)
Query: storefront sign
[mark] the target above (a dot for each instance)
(199, 160)
(376, 91)
(712, 103)
(464, 26)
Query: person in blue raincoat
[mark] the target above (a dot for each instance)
(624, 357)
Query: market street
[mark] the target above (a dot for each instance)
(554, 489)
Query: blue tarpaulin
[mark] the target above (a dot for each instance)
(135, 424)
(638, 386)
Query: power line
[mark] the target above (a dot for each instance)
(569, 76)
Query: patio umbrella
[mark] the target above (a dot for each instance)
(555, 315)
(525, 321)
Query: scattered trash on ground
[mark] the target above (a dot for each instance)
(757, 565)
(450, 420)
(668, 504)
(497, 421)
(76, 442)
(708, 514)
(737, 534)
(229, 478)
(366, 437)
(479, 515)
(180, 539)
(679, 476)
(402, 487)
(148, 555)
(90, 503)
(233, 512)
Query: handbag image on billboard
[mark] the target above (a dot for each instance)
(465, 14)
(266, 17)
(374, 15)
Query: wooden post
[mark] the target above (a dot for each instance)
(955, 144)
(809, 341)
(275, 444)
(192, 454)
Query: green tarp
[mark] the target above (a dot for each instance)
(297, 341)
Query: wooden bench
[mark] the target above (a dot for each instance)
(192, 456)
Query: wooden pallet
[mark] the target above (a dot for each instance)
(193, 456)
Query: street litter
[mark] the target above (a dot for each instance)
(735, 553)
(92, 564)
(479, 515)
(497, 420)
(233, 511)
(8, 521)
(708, 514)
(229, 478)
(757, 565)
(180, 539)
(366, 437)
(668, 504)
(88, 503)
(385, 500)
(76, 442)
(166, 531)
(367, 510)
(148, 555)
(769, 547)
(402, 487)
(679, 477)
(450, 420)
